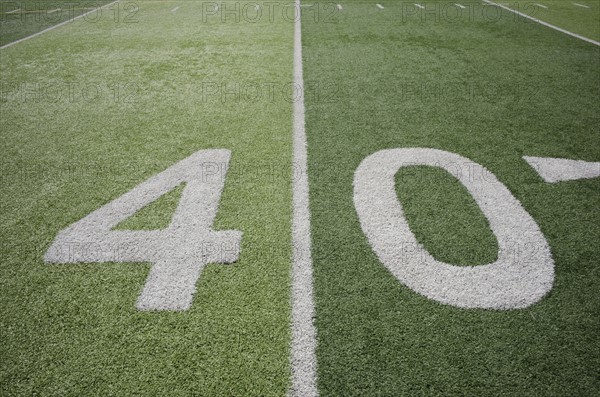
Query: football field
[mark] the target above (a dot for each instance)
(348, 198)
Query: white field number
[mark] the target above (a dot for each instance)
(179, 253)
(511, 282)
(522, 274)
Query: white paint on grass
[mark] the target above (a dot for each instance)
(419, 6)
(57, 25)
(520, 277)
(379, 6)
(175, 9)
(580, 5)
(540, 5)
(460, 6)
(178, 253)
(543, 23)
(53, 11)
(554, 170)
(303, 360)
(13, 11)
(339, 7)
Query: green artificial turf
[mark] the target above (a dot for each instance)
(92, 109)
(444, 217)
(491, 91)
(133, 104)
(156, 215)
(21, 18)
(564, 14)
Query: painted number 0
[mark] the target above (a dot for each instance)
(508, 283)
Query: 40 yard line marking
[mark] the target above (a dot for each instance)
(303, 360)
(56, 26)
(543, 23)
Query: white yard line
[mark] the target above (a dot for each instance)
(303, 358)
(53, 11)
(56, 26)
(379, 6)
(580, 5)
(419, 6)
(540, 5)
(460, 6)
(13, 11)
(175, 9)
(543, 23)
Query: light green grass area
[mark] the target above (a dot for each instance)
(564, 14)
(156, 215)
(491, 91)
(21, 18)
(90, 110)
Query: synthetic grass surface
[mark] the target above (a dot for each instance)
(564, 14)
(491, 91)
(139, 105)
(21, 18)
(88, 111)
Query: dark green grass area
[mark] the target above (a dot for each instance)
(21, 18)
(491, 91)
(89, 111)
(444, 217)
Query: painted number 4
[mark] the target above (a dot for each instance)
(178, 253)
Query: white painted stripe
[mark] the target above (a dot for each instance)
(580, 5)
(303, 360)
(56, 26)
(554, 170)
(52, 11)
(13, 11)
(539, 5)
(460, 6)
(339, 7)
(543, 23)
(379, 6)
(175, 9)
(419, 6)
